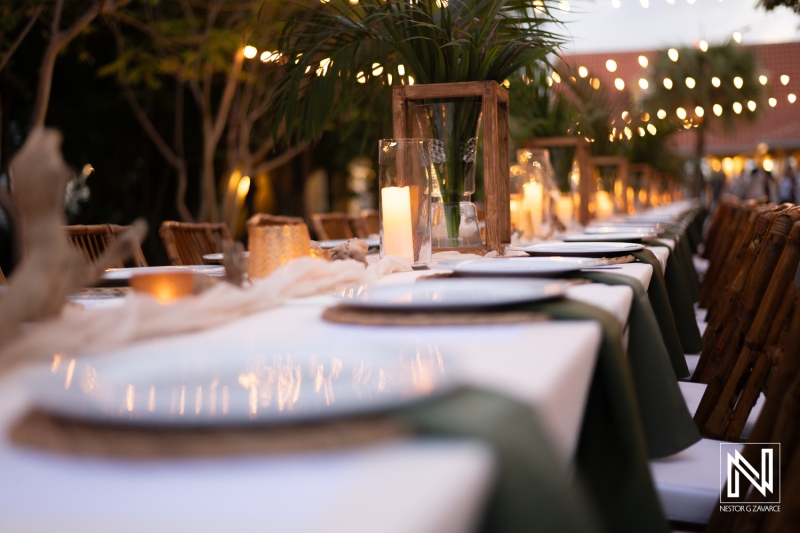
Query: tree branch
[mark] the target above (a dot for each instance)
(282, 159)
(21, 36)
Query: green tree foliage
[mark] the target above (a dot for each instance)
(769, 5)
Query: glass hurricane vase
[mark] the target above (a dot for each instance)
(453, 130)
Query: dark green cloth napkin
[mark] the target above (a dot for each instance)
(612, 452)
(679, 301)
(683, 260)
(645, 324)
(532, 491)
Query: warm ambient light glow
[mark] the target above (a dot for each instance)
(668, 83)
(690, 83)
(661, 114)
(643, 83)
(401, 69)
(717, 110)
(681, 112)
(640, 131)
(768, 164)
(737, 107)
(784, 79)
(751, 105)
(250, 52)
(645, 116)
(699, 111)
(611, 65)
(595, 83)
(773, 102)
(360, 77)
(715, 81)
(738, 82)
(737, 36)
(762, 80)
(703, 45)
(564, 6)
(556, 77)
(791, 97)
(619, 84)
(673, 54)
(643, 61)
(652, 129)
(583, 72)
(377, 69)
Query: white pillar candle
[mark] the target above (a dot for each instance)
(515, 207)
(396, 217)
(532, 197)
(604, 207)
(564, 210)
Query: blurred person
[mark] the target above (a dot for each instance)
(756, 186)
(787, 185)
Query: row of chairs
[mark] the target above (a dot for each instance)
(745, 385)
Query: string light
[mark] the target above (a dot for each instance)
(784, 79)
(377, 69)
(762, 80)
(773, 102)
(389, 77)
(361, 78)
(645, 116)
(699, 111)
(791, 97)
(626, 116)
(401, 69)
(583, 72)
(595, 83)
(640, 131)
(556, 77)
(538, 6)
(563, 5)
(643, 61)
(751, 105)
(250, 52)
(715, 81)
(690, 83)
(651, 129)
(703, 45)
(661, 114)
(681, 112)
(737, 107)
(667, 83)
(643, 83)
(737, 36)
(738, 82)
(619, 84)
(717, 110)
(628, 133)
(611, 65)
(673, 55)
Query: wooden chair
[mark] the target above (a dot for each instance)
(371, 221)
(329, 226)
(93, 240)
(742, 373)
(3, 280)
(263, 219)
(734, 307)
(186, 243)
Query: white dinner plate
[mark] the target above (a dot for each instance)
(525, 266)
(217, 258)
(452, 293)
(124, 274)
(582, 249)
(608, 237)
(372, 242)
(624, 228)
(255, 382)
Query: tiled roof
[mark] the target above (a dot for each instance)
(778, 127)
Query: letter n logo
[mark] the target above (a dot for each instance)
(763, 475)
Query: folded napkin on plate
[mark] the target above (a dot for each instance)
(79, 331)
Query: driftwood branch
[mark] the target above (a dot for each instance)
(50, 268)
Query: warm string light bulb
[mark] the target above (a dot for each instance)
(667, 83)
(643, 61)
(583, 71)
(715, 81)
(672, 53)
(619, 84)
(611, 65)
(738, 82)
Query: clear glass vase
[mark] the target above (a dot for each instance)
(535, 176)
(453, 130)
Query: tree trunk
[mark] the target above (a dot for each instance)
(45, 84)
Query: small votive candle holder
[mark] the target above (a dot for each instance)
(165, 286)
(273, 242)
(404, 179)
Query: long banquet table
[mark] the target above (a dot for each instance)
(409, 483)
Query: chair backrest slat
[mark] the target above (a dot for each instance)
(186, 243)
(328, 226)
(93, 240)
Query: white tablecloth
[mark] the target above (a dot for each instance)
(415, 485)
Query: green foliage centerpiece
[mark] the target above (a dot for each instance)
(340, 57)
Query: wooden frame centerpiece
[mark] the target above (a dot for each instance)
(496, 164)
